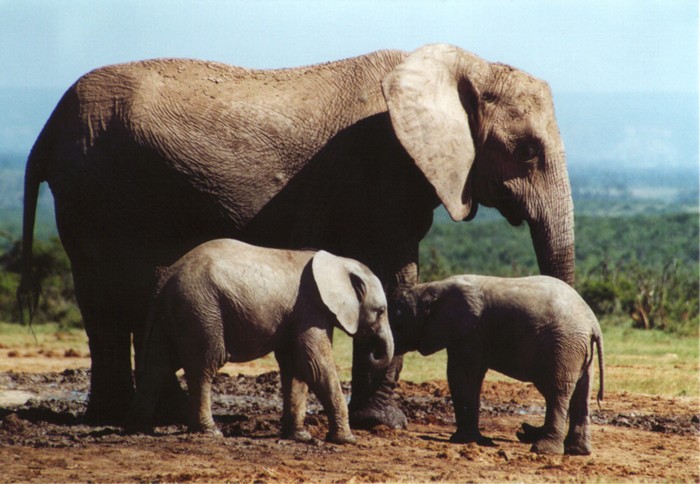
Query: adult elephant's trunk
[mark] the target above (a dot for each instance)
(552, 232)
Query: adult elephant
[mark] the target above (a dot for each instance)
(148, 159)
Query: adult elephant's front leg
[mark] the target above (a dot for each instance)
(373, 401)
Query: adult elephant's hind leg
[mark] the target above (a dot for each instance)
(109, 340)
(111, 382)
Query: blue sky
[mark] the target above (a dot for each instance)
(578, 46)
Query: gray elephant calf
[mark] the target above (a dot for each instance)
(535, 329)
(230, 301)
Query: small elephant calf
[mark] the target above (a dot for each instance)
(230, 301)
(535, 329)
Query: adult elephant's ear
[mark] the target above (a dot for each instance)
(341, 290)
(423, 97)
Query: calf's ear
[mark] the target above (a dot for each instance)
(342, 290)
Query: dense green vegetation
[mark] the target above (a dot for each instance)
(52, 268)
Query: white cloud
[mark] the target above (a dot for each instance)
(644, 146)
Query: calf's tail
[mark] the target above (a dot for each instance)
(597, 340)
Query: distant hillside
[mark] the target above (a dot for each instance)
(629, 130)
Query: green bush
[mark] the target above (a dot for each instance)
(435, 267)
(664, 298)
(599, 294)
(8, 288)
(52, 271)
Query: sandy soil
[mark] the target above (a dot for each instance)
(43, 394)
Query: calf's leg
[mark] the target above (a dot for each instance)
(577, 441)
(551, 440)
(294, 397)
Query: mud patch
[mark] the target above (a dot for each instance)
(43, 438)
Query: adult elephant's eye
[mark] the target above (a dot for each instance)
(527, 152)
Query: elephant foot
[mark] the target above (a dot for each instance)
(211, 430)
(341, 438)
(372, 402)
(577, 446)
(529, 433)
(468, 438)
(548, 446)
(374, 414)
(107, 412)
(300, 435)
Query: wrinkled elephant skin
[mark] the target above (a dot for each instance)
(146, 160)
(230, 301)
(535, 329)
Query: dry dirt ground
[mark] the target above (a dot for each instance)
(42, 397)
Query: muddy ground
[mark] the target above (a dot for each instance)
(42, 438)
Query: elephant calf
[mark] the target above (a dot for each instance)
(229, 301)
(535, 329)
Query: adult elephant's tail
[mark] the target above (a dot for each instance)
(28, 290)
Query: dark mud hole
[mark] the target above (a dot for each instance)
(251, 406)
